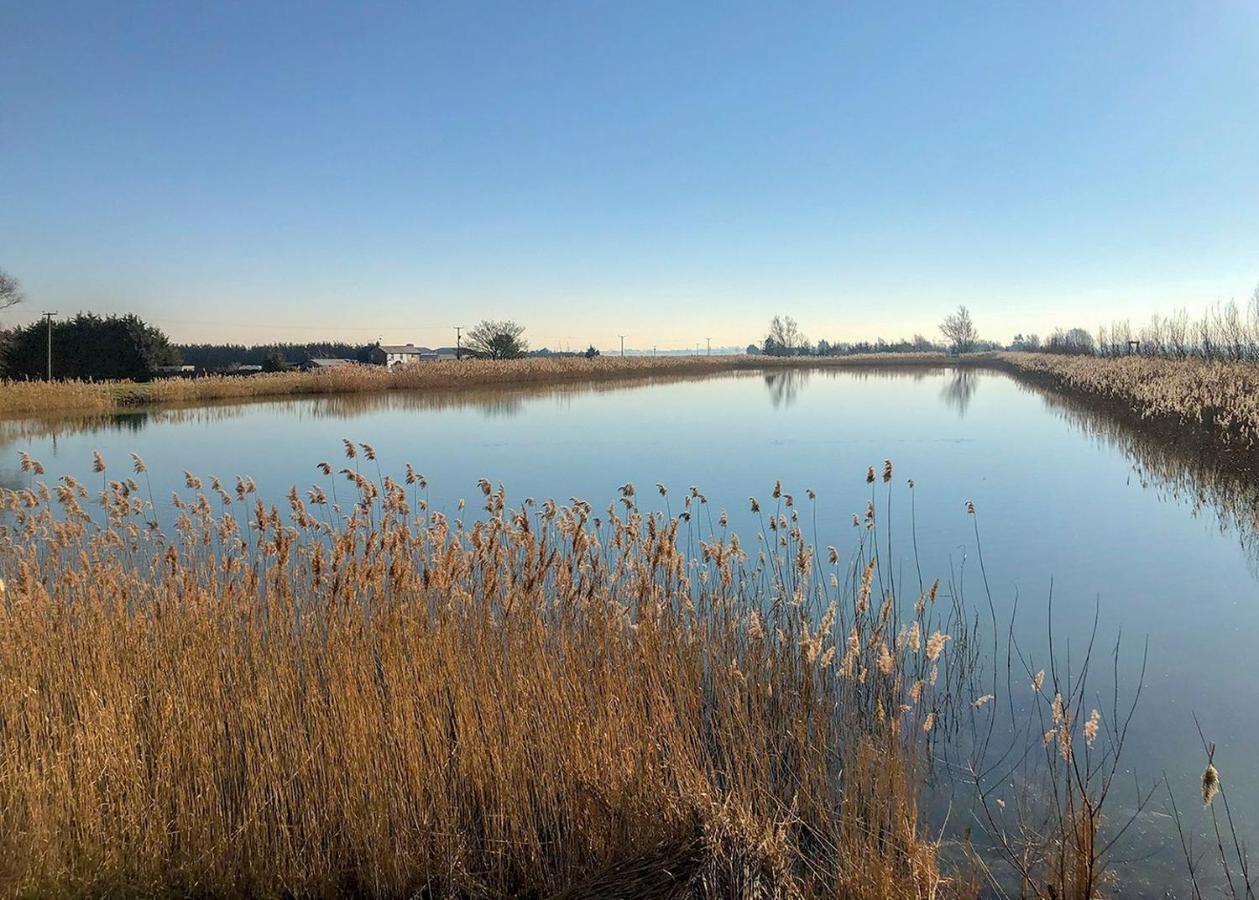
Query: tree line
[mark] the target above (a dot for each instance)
(1226, 331)
(91, 347)
(784, 338)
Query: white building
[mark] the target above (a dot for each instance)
(403, 354)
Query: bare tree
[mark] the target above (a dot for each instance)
(497, 340)
(960, 331)
(10, 290)
(784, 338)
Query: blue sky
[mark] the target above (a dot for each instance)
(671, 172)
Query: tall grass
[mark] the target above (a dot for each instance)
(372, 697)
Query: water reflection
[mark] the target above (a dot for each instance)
(1178, 464)
(960, 390)
(492, 402)
(784, 386)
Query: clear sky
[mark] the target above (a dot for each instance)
(669, 171)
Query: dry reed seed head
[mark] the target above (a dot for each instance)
(887, 471)
(350, 451)
(369, 451)
(1064, 741)
(1038, 682)
(137, 464)
(1091, 727)
(324, 467)
(778, 490)
(935, 644)
(986, 698)
(485, 486)
(756, 506)
(723, 519)
(833, 555)
(1210, 783)
(970, 507)
(870, 475)
(1056, 709)
(98, 462)
(930, 721)
(886, 661)
(910, 482)
(661, 489)
(856, 523)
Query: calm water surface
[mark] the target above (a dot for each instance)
(1156, 536)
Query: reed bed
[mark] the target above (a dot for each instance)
(1219, 396)
(358, 694)
(35, 397)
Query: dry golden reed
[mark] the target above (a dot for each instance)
(375, 699)
(1221, 396)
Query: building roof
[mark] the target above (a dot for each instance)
(404, 348)
(329, 362)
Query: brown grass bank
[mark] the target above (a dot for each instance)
(34, 397)
(1220, 397)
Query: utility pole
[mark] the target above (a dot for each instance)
(622, 337)
(48, 316)
(710, 346)
(458, 345)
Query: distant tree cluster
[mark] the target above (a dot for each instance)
(89, 347)
(785, 338)
(1225, 331)
(275, 356)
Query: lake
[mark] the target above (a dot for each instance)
(1155, 534)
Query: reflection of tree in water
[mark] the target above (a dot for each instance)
(960, 390)
(1179, 464)
(784, 386)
